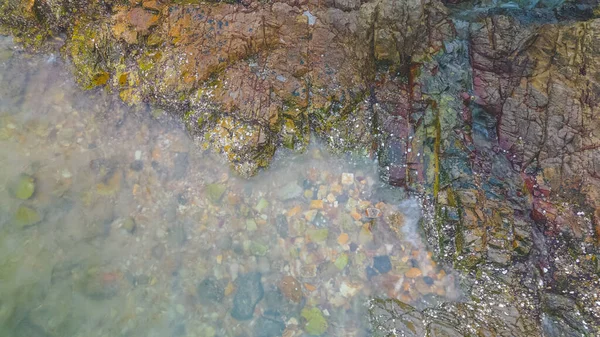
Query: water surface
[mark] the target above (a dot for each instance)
(114, 223)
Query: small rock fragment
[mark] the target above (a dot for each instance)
(291, 288)
(413, 273)
(128, 224)
(373, 212)
(26, 216)
(315, 321)
(249, 292)
(210, 290)
(382, 264)
(290, 191)
(343, 239)
(215, 192)
(347, 178)
(261, 205)
(137, 165)
(281, 224)
(317, 235)
(348, 289)
(341, 261)
(24, 187)
(365, 236)
(316, 204)
(268, 327)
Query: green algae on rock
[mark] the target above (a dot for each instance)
(316, 324)
(26, 216)
(24, 187)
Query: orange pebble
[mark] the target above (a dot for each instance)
(355, 215)
(229, 289)
(316, 204)
(343, 239)
(310, 287)
(294, 211)
(413, 273)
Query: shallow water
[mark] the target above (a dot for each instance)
(114, 223)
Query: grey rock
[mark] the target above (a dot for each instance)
(249, 292)
(210, 290)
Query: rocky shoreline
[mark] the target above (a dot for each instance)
(487, 110)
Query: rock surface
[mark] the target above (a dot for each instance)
(249, 292)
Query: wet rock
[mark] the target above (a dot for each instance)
(317, 235)
(373, 213)
(141, 19)
(249, 292)
(215, 192)
(268, 327)
(128, 224)
(320, 220)
(137, 165)
(24, 187)
(413, 273)
(224, 242)
(347, 178)
(315, 324)
(281, 225)
(393, 315)
(26, 216)
(278, 306)
(210, 290)
(382, 264)
(291, 288)
(341, 261)
(180, 165)
(110, 184)
(98, 284)
(371, 272)
(290, 191)
(261, 205)
(258, 249)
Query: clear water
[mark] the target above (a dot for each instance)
(132, 230)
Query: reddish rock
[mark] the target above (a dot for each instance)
(291, 288)
(141, 19)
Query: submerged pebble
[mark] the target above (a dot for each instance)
(249, 292)
(24, 187)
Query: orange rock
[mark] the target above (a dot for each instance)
(156, 153)
(136, 189)
(413, 273)
(141, 19)
(343, 239)
(229, 289)
(294, 211)
(152, 4)
(355, 215)
(234, 198)
(291, 288)
(310, 287)
(316, 204)
(336, 188)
